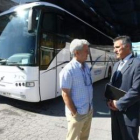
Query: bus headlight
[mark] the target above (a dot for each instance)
(30, 84)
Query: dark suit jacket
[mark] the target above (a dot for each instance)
(129, 81)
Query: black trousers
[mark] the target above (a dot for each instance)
(120, 131)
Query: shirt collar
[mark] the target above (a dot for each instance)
(77, 63)
(127, 58)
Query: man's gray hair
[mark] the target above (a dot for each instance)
(77, 44)
(125, 40)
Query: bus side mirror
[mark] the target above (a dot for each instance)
(31, 21)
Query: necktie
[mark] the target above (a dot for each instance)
(118, 72)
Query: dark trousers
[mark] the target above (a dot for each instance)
(120, 131)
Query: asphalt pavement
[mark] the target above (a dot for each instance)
(46, 120)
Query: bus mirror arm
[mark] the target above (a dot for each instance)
(31, 21)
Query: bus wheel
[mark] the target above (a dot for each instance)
(109, 73)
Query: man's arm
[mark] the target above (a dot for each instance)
(68, 101)
(133, 94)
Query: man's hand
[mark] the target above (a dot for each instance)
(112, 105)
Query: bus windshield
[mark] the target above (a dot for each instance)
(17, 45)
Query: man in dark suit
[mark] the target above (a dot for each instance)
(125, 76)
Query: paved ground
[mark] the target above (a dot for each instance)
(46, 120)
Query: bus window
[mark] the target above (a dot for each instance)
(47, 39)
(46, 49)
(46, 55)
(60, 37)
(15, 37)
(53, 38)
(60, 25)
(49, 22)
(73, 28)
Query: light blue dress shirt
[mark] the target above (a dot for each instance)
(79, 81)
(123, 62)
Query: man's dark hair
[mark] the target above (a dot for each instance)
(125, 40)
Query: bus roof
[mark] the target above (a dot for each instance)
(30, 5)
(33, 4)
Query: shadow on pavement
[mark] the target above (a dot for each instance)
(55, 107)
(99, 103)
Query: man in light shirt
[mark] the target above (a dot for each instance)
(77, 91)
(126, 77)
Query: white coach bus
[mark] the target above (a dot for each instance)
(34, 47)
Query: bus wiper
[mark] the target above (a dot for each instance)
(13, 64)
(19, 67)
(3, 61)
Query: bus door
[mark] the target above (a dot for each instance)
(47, 56)
(62, 50)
